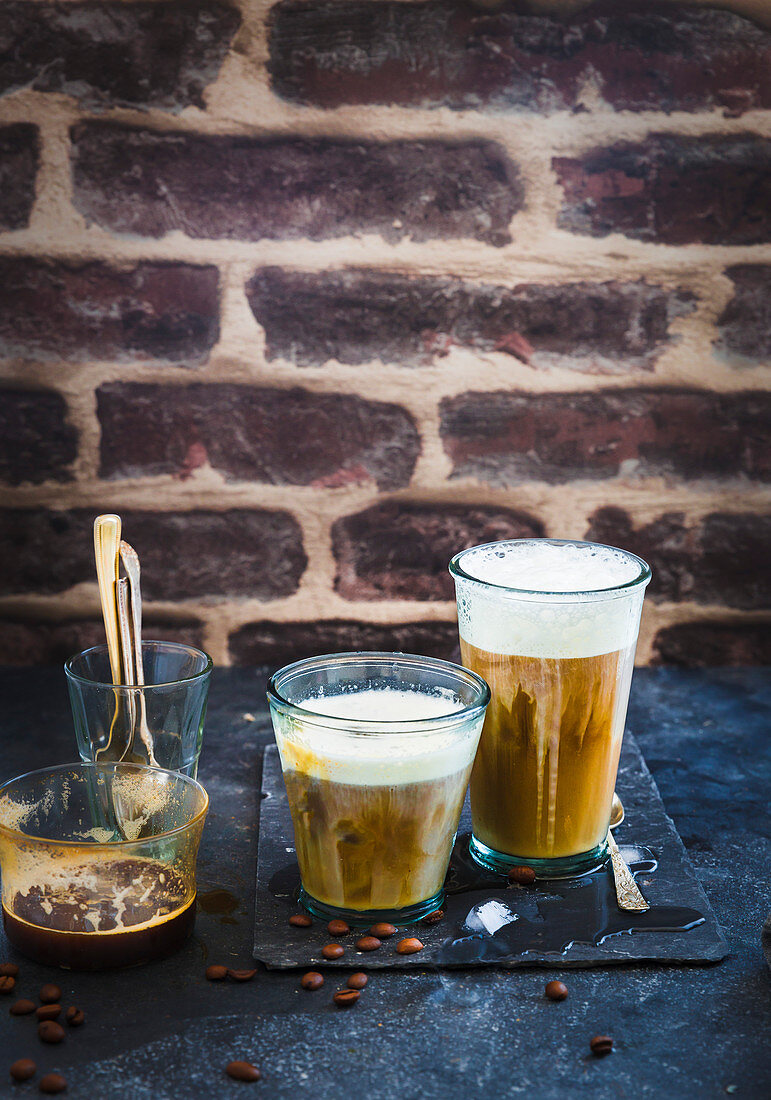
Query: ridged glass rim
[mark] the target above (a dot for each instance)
(82, 765)
(586, 595)
(69, 671)
(366, 726)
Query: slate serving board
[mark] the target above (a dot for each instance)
(279, 945)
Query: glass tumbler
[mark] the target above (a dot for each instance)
(376, 751)
(159, 724)
(98, 863)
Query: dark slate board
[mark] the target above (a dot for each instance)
(279, 945)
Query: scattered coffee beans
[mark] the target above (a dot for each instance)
(312, 980)
(23, 1069)
(357, 980)
(297, 920)
(22, 1008)
(48, 1012)
(434, 918)
(74, 1016)
(242, 1071)
(332, 950)
(52, 1083)
(346, 998)
(7, 984)
(556, 991)
(338, 928)
(525, 876)
(241, 975)
(50, 1032)
(601, 1045)
(383, 930)
(410, 946)
(50, 994)
(9, 970)
(368, 943)
(216, 973)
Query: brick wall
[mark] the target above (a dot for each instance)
(317, 292)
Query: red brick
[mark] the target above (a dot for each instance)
(402, 550)
(721, 560)
(51, 310)
(709, 644)
(154, 54)
(356, 316)
(141, 181)
(282, 437)
(19, 157)
(36, 442)
(444, 53)
(745, 323)
(671, 189)
(277, 644)
(506, 438)
(184, 555)
(29, 642)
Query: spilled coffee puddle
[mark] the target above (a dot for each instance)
(550, 919)
(514, 922)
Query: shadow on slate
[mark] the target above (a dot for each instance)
(571, 923)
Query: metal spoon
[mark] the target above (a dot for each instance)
(628, 893)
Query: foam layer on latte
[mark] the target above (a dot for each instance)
(398, 752)
(545, 603)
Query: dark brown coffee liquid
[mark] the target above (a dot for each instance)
(123, 913)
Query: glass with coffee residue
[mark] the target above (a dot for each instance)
(552, 626)
(376, 751)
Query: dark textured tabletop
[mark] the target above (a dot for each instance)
(163, 1031)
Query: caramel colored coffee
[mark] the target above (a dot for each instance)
(374, 847)
(545, 770)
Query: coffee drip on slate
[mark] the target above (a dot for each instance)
(507, 924)
(562, 913)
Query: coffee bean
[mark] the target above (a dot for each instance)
(241, 975)
(368, 943)
(216, 973)
(383, 930)
(556, 991)
(242, 1071)
(52, 1083)
(9, 970)
(601, 1045)
(23, 1069)
(332, 950)
(22, 1008)
(74, 1016)
(524, 876)
(7, 984)
(312, 980)
(297, 920)
(50, 1032)
(48, 1012)
(50, 994)
(338, 928)
(357, 980)
(433, 918)
(410, 946)
(346, 998)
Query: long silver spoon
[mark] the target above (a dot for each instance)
(628, 893)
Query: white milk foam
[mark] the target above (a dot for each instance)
(398, 752)
(555, 611)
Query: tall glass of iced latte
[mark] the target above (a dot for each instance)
(552, 627)
(376, 751)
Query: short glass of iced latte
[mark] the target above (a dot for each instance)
(376, 751)
(552, 627)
